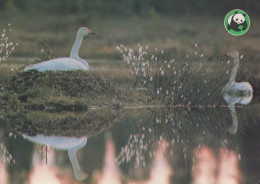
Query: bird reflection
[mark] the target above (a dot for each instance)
(236, 93)
(64, 143)
(234, 126)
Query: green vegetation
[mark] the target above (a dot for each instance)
(47, 53)
(6, 46)
(57, 91)
(184, 81)
(63, 124)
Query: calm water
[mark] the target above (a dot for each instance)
(156, 145)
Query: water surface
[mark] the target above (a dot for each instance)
(178, 145)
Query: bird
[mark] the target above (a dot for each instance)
(71, 144)
(74, 62)
(236, 92)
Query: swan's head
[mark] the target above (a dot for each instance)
(234, 54)
(81, 176)
(83, 31)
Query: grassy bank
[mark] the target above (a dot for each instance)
(57, 91)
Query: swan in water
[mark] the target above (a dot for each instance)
(236, 92)
(64, 143)
(74, 62)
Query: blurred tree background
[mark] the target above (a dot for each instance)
(131, 7)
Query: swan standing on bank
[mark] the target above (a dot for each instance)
(64, 143)
(236, 92)
(74, 62)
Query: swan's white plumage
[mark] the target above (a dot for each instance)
(59, 64)
(74, 62)
(243, 90)
(237, 92)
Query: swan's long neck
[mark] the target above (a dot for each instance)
(79, 175)
(75, 48)
(74, 53)
(234, 70)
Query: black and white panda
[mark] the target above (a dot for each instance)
(234, 21)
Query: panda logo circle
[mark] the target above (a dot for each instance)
(237, 22)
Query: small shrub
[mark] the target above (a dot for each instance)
(189, 80)
(6, 46)
(5, 155)
(59, 90)
(47, 53)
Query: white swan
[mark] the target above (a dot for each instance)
(234, 92)
(64, 143)
(74, 62)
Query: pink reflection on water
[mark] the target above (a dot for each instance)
(228, 167)
(110, 173)
(3, 173)
(208, 169)
(42, 172)
(204, 167)
(160, 173)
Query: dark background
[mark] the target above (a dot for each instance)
(132, 7)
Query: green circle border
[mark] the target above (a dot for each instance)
(232, 32)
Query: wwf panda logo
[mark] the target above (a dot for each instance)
(234, 21)
(237, 22)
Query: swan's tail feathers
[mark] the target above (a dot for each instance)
(27, 68)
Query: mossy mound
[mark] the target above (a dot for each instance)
(71, 90)
(69, 124)
(70, 83)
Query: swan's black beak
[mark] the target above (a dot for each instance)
(90, 32)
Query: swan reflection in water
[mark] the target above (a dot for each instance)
(236, 92)
(64, 143)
